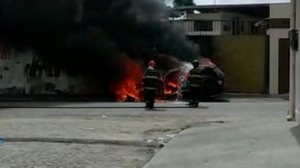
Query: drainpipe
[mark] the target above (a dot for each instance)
(292, 95)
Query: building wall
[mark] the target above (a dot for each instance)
(243, 60)
(275, 35)
(276, 11)
(188, 24)
(243, 20)
(205, 16)
(189, 29)
(280, 10)
(18, 77)
(219, 20)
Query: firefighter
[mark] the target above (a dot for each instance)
(213, 80)
(195, 84)
(151, 83)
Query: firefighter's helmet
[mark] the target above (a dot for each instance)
(152, 63)
(196, 63)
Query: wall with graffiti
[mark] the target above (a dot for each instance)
(25, 74)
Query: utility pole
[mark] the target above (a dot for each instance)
(292, 95)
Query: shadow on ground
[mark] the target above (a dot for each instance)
(296, 133)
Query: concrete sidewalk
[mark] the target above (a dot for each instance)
(264, 143)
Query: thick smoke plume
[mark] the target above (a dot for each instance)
(90, 37)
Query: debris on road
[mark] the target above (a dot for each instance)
(91, 129)
(2, 141)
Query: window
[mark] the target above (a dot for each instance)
(280, 23)
(203, 25)
(242, 26)
(226, 26)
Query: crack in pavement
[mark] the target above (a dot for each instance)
(84, 141)
(152, 144)
(205, 123)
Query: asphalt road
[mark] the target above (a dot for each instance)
(95, 134)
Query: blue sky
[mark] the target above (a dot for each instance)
(224, 2)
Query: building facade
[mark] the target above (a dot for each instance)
(219, 23)
(279, 52)
(23, 73)
(235, 41)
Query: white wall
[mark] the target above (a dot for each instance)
(15, 80)
(275, 35)
(276, 11)
(280, 10)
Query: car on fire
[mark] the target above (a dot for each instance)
(212, 86)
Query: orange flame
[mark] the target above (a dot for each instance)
(171, 87)
(128, 87)
(172, 82)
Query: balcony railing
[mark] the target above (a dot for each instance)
(218, 27)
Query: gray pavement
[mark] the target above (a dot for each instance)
(260, 142)
(53, 155)
(40, 134)
(85, 135)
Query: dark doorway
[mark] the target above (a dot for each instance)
(284, 66)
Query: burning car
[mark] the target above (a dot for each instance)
(213, 83)
(175, 85)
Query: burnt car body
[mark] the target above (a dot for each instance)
(212, 85)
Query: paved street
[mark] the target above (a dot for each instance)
(90, 135)
(262, 141)
(65, 134)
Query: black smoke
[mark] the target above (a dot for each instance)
(88, 37)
